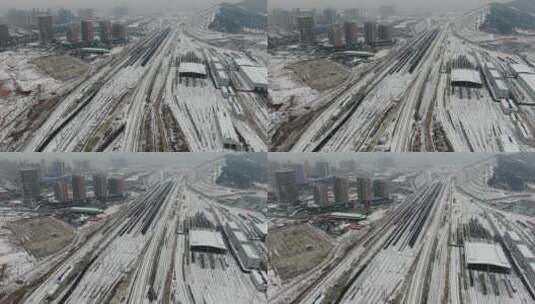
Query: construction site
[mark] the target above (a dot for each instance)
(296, 249)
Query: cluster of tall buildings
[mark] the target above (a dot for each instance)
(288, 181)
(103, 187)
(84, 32)
(26, 19)
(77, 32)
(343, 31)
(347, 34)
(79, 193)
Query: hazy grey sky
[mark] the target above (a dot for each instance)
(134, 5)
(402, 159)
(422, 5)
(167, 159)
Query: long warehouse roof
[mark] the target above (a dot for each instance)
(522, 69)
(258, 75)
(529, 79)
(485, 254)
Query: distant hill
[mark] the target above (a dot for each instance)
(513, 172)
(259, 6)
(243, 171)
(246, 15)
(505, 18)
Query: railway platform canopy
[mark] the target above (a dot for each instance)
(485, 256)
(466, 78)
(207, 241)
(192, 69)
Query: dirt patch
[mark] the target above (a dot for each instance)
(296, 249)
(42, 236)
(320, 74)
(61, 67)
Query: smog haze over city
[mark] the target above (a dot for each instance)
(405, 5)
(139, 6)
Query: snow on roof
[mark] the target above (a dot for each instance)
(258, 276)
(241, 237)
(347, 215)
(206, 238)
(359, 53)
(249, 251)
(233, 226)
(500, 84)
(526, 252)
(486, 254)
(522, 69)
(95, 50)
(514, 236)
(192, 67)
(262, 227)
(490, 65)
(222, 74)
(244, 62)
(529, 79)
(258, 75)
(86, 210)
(466, 75)
(495, 73)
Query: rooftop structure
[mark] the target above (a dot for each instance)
(86, 210)
(256, 77)
(527, 81)
(347, 216)
(521, 69)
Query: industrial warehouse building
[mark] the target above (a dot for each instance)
(242, 246)
(496, 81)
(207, 241)
(523, 256)
(256, 77)
(248, 256)
(519, 69)
(259, 279)
(254, 74)
(527, 81)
